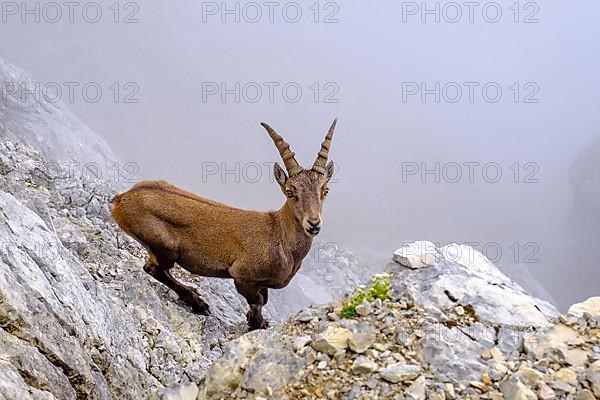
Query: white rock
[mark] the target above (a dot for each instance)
(400, 372)
(416, 391)
(180, 392)
(591, 306)
(513, 389)
(363, 365)
(593, 375)
(416, 255)
(301, 342)
(364, 308)
(332, 340)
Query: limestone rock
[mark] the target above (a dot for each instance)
(361, 337)
(516, 390)
(400, 372)
(363, 365)
(180, 392)
(593, 376)
(416, 391)
(416, 255)
(591, 306)
(332, 340)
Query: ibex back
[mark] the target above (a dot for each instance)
(258, 250)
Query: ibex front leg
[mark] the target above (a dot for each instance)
(160, 268)
(256, 298)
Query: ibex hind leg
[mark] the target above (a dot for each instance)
(159, 268)
(256, 301)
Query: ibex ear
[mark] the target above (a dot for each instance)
(280, 175)
(329, 170)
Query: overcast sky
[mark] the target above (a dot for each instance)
(509, 88)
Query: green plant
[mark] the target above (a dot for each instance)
(380, 289)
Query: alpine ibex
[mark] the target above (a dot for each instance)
(258, 250)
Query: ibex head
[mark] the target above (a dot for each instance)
(305, 189)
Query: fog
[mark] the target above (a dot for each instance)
(482, 158)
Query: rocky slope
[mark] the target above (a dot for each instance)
(78, 316)
(453, 327)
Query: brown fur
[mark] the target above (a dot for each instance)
(258, 250)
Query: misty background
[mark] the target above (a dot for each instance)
(358, 62)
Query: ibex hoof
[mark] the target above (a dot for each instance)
(198, 305)
(254, 325)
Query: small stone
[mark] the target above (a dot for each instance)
(479, 385)
(498, 371)
(567, 375)
(545, 392)
(485, 378)
(339, 356)
(416, 391)
(380, 347)
(364, 308)
(354, 392)
(561, 386)
(332, 340)
(585, 394)
(459, 310)
(322, 365)
(435, 395)
(497, 355)
(449, 391)
(308, 315)
(593, 375)
(180, 392)
(529, 376)
(486, 355)
(371, 383)
(400, 372)
(403, 338)
(513, 389)
(301, 341)
(333, 316)
(360, 341)
(363, 365)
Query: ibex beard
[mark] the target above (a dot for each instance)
(258, 250)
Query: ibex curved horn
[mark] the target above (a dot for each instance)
(321, 161)
(287, 155)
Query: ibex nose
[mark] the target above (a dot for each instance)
(314, 226)
(314, 223)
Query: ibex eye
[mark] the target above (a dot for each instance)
(325, 191)
(289, 194)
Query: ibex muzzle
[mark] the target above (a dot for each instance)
(258, 250)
